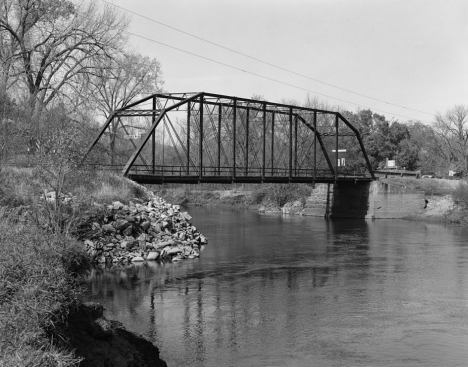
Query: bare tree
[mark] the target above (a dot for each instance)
(118, 81)
(124, 78)
(50, 42)
(452, 130)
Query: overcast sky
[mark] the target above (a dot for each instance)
(409, 53)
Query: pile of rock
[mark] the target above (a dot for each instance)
(136, 232)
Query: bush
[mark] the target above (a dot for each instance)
(258, 195)
(460, 194)
(280, 194)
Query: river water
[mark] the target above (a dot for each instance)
(301, 291)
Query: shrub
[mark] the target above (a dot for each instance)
(460, 194)
(258, 195)
(280, 194)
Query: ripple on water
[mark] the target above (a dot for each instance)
(302, 292)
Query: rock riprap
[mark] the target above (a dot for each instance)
(155, 230)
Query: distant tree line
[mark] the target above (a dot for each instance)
(433, 149)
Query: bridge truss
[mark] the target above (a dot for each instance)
(205, 137)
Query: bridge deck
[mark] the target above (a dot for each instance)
(157, 179)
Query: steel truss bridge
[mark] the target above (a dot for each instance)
(205, 137)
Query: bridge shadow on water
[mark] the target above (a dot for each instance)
(347, 200)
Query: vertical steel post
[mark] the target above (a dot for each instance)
(315, 145)
(264, 141)
(234, 118)
(163, 145)
(153, 136)
(272, 141)
(220, 110)
(247, 141)
(336, 147)
(290, 141)
(200, 146)
(295, 145)
(189, 106)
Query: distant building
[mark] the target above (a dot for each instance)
(341, 157)
(390, 164)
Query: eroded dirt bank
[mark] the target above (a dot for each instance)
(436, 200)
(105, 343)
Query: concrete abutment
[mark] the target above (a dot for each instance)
(374, 200)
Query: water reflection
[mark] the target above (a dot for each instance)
(276, 291)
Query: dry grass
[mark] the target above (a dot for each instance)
(38, 267)
(431, 186)
(37, 290)
(19, 186)
(109, 187)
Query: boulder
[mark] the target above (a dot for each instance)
(145, 225)
(163, 244)
(137, 259)
(116, 205)
(121, 224)
(171, 251)
(128, 231)
(155, 227)
(108, 228)
(153, 255)
(185, 216)
(89, 243)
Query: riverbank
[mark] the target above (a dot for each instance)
(44, 221)
(446, 200)
(267, 198)
(441, 200)
(42, 323)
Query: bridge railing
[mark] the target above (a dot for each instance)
(239, 171)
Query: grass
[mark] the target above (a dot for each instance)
(109, 187)
(40, 259)
(437, 187)
(19, 186)
(38, 288)
(21, 191)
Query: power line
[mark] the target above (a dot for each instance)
(265, 77)
(263, 61)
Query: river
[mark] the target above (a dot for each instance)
(301, 291)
